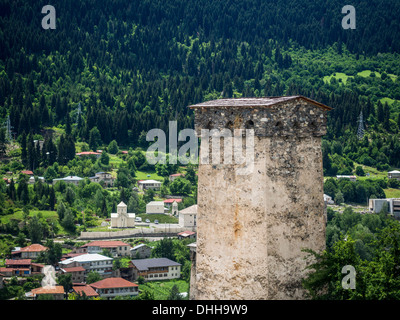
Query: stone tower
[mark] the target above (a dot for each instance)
(252, 227)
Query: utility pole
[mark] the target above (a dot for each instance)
(360, 130)
(8, 127)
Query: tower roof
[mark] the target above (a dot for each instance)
(254, 102)
(122, 204)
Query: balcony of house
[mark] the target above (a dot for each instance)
(114, 292)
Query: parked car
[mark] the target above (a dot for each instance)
(147, 220)
(138, 219)
(156, 221)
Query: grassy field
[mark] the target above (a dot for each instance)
(162, 218)
(19, 215)
(161, 289)
(48, 215)
(337, 76)
(365, 74)
(392, 193)
(141, 175)
(115, 161)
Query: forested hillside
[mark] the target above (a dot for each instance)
(135, 65)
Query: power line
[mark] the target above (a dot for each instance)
(360, 130)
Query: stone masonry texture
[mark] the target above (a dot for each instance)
(251, 228)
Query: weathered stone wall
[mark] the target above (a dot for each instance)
(299, 118)
(251, 228)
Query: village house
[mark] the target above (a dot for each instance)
(27, 172)
(90, 262)
(187, 217)
(21, 268)
(172, 177)
(351, 178)
(117, 248)
(168, 202)
(141, 251)
(113, 287)
(85, 289)
(77, 273)
(156, 269)
(155, 207)
(187, 235)
(70, 179)
(328, 199)
(89, 153)
(32, 180)
(122, 219)
(56, 292)
(106, 177)
(30, 252)
(149, 184)
(394, 174)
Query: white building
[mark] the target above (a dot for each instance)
(70, 179)
(155, 207)
(122, 219)
(113, 287)
(149, 184)
(351, 178)
(90, 262)
(32, 180)
(392, 205)
(328, 199)
(394, 174)
(187, 217)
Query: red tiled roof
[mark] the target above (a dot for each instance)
(36, 247)
(74, 269)
(105, 244)
(37, 265)
(18, 262)
(113, 283)
(172, 200)
(28, 172)
(84, 153)
(176, 175)
(49, 290)
(88, 290)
